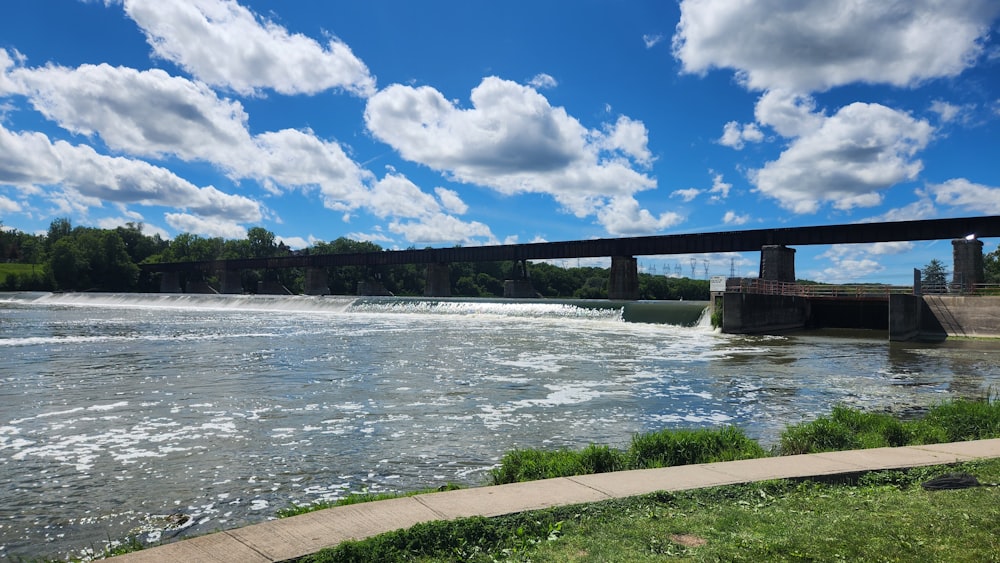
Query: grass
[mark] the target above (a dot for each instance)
(883, 516)
(655, 449)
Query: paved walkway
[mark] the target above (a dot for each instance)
(288, 538)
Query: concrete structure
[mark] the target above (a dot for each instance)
(298, 536)
(272, 287)
(317, 281)
(777, 263)
(373, 287)
(624, 282)
(170, 282)
(438, 282)
(967, 258)
(231, 282)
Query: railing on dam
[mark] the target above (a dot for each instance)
(853, 291)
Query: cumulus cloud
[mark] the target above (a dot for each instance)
(687, 195)
(624, 217)
(86, 178)
(144, 113)
(967, 195)
(187, 223)
(737, 136)
(226, 45)
(441, 228)
(814, 46)
(851, 262)
(788, 113)
(513, 141)
(152, 114)
(397, 196)
(734, 218)
(451, 201)
(8, 205)
(542, 81)
(862, 149)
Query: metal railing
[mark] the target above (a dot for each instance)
(853, 291)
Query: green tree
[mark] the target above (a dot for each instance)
(933, 278)
(991, 266)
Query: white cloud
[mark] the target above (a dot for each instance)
(86, 178)
(687, 195)
(631, 138)
(788, 113)
(8, 205)
(512, 141)
(720, 188)
(733, 218)
(295, 243)
(814, 46)
(397, 196)
(144, 113)
(623, 217)
(652, 40)
(153, 114)
(442, 228)
(736, 136)
(542, 81)
(451, 201)
(187, 223)
(227, 45)
(967, 195)
(851, 263)
(861, 150)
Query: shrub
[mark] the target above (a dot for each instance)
(683, 447)
(845, 429)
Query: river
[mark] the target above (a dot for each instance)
(171, 415)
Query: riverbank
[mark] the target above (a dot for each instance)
(806, 451)
(308, 534)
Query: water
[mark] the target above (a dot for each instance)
(172, 415)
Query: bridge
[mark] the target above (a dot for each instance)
(777, 259)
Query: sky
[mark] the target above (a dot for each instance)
(462, 122)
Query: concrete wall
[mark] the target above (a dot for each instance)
(960, 316)
(905, 314)
(748, 313)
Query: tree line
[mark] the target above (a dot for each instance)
(69, 258)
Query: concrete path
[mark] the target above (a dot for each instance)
(288, 538)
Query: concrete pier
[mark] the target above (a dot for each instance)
(967, 255)
(231, 281)
(438, 282)
(624, 282)
(317, 281)
(777, 263)
(170, 282)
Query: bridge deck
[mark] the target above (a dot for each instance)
(701, 243)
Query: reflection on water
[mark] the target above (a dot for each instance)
(183, 417)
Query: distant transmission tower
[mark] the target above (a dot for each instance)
(694, 262)
(677, 269)
(732, 267)
(706, 268)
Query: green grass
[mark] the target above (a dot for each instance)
(883, 516)
(655, 449)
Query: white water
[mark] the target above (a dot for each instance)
(182, 414)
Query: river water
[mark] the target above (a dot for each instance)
(172, 415)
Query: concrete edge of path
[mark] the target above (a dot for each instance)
(289, 538)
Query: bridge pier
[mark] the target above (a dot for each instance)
(967, 255)
(317, 281)
(231, 282)
(777, 263)
(520, 287)
(170, 282)
(438, 281)
(624, 282)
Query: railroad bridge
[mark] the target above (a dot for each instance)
(777, 258)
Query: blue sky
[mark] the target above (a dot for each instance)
(416, 124)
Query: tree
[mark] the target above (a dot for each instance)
(991, 267)
(934, 278)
